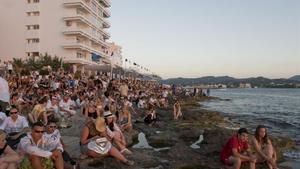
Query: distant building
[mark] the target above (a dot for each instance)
(245, 85)
(115, 54)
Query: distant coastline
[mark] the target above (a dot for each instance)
(231, 82)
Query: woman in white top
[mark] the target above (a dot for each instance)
(15, 126)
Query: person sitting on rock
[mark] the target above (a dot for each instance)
(264, 148)
(39, 112)
(177, 110)
(94, 142)
(66, 106)
(53, 139)
(236, 151)
(15, 126)
(9, 158)
(150, 118)
(125, 120)
(115, 132)
(37, 153)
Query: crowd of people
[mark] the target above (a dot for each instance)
(32, 107)
(35, 106)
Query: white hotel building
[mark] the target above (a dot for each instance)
(75, 30)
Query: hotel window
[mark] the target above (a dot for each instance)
(29, 27)
(34, 40)
(36, 26)
(68, 23)
(36, 1)
(79, 55)
(28, 13)
(35, 54)
(36, 13)
(29, 1)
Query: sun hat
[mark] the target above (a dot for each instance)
(100, 145)
(107, 114)
(100, 124)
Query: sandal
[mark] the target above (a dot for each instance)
(126, 151)
(129, 162)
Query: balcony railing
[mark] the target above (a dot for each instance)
(106, 3)
(85, 33)
(106, 13)
(88, 22)
(32, 7)
(87, 7)
(106, 23)
(82, 46)
(29, 34)
(32, 47)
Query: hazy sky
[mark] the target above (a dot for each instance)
(193, 38)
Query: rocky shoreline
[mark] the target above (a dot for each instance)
(189, 143)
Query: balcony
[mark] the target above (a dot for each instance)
(105, 3)
(76, 3)
(106, 13)
(82, 46)
(84, 5)
(79, 17)
(32, 20)
(105, 34)
(32, 47)
(85, 33)
(32, 34)
(106, 23)
(32, 7)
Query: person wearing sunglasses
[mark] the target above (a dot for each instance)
(36, 151)
(53, 139)
(16, 127)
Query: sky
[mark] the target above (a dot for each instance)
(194, 38)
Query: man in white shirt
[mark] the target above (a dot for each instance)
(53, 141)
(66, 105)
(36, 147)
(15, 126)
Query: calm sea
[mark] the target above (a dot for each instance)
(278, 109)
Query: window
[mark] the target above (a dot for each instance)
(79, 55)
(68, 23)
(35, 54)
(28, 13)
(36, 26)
(29, 27)
(34, 40)
(36, 13)
(36, 1)
(28, 1)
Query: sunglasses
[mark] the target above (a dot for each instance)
(37, 131)
(13, 112)
(52, 126)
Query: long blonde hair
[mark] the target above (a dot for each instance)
(2, 134)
